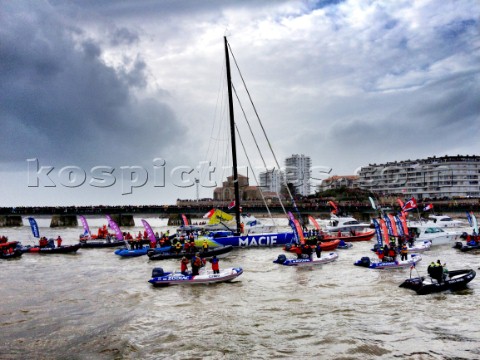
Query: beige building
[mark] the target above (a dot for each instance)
(227, 191)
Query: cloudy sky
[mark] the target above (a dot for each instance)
(108, 102)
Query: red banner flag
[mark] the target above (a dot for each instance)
(410, 205)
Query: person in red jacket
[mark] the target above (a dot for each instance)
(184, 266)
(43, 242)
(215, 265)
(59, 241)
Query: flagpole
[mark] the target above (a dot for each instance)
(419, 218)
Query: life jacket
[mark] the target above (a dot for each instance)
(197, 262)
(404, 250)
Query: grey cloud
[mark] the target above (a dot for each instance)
(61, 102)
(123, 36)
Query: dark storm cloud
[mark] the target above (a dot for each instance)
(61, 102)
(437, 120)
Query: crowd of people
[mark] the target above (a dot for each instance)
(197, 262)
(49, 243)
(391, 252)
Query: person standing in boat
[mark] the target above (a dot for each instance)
(404, 252)
(392, 253)
(59, 241)
(318, 249)
(196, 263)
(192, 248)
(439, 271)
(386, 250)
(184, 266)
(178, 247)
(129, 239)
(215, 265)
(205, 245)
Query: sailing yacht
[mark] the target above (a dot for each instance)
(235, 237)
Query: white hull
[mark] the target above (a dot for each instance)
(205, 277)
(345, 224)
(420, 246)
(434, 234)
(325, 258)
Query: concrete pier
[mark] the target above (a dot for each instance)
(63, 221)
(123, 220)
(11, 221)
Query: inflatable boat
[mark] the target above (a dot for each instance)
(325, 258)
(124, 252)
(159, 255)
(325, 245)
(162, 278)
(344, 245)
(469, 246)
(9, 250)
(64, 249)
(379, 265)
(457, 279)
(417, 247)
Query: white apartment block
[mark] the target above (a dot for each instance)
(447, 176)
(298, 173)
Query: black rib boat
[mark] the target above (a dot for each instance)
(469, 246)
(64, 249)
(9, 250)
(457, 279)
(217, 251)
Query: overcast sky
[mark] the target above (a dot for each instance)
(89, 87)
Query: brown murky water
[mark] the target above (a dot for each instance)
(95, 305)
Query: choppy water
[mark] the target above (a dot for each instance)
(95, 305)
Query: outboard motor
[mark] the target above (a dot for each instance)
(157, 272)
(51, 243)
(281, 259)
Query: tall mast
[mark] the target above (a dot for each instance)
(232, 134)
